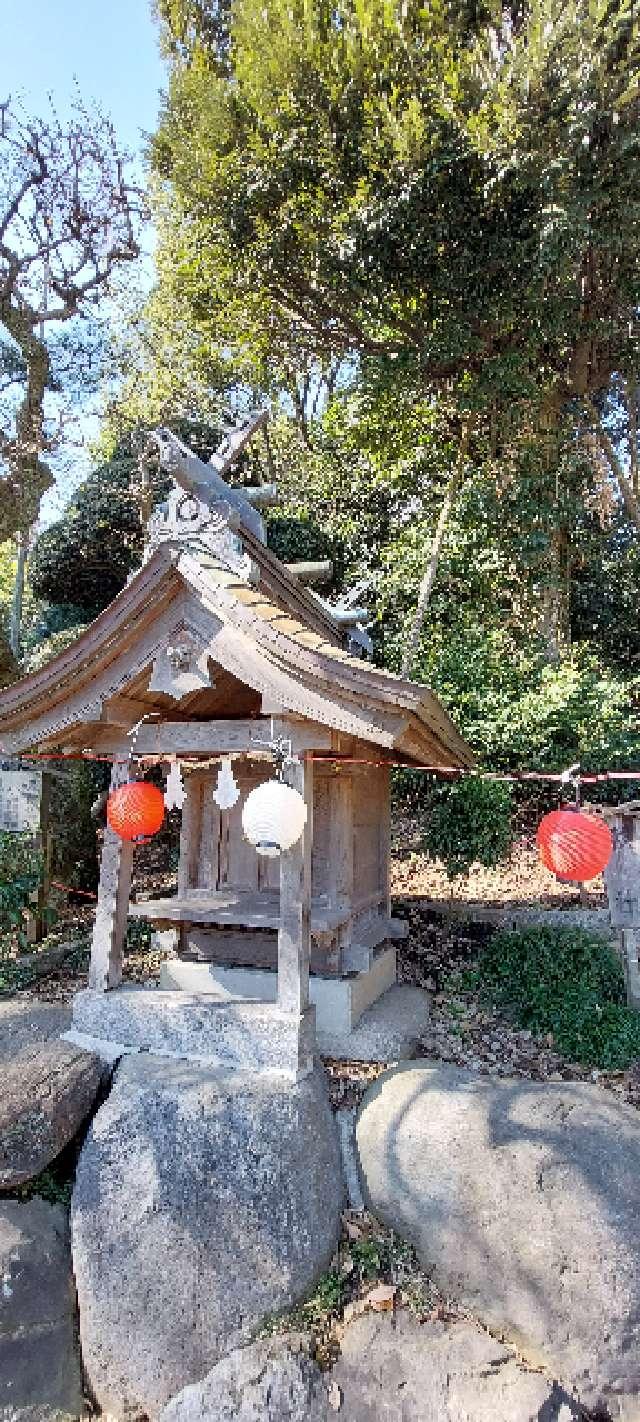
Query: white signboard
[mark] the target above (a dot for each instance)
(20, 792)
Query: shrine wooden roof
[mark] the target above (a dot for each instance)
(242, 649)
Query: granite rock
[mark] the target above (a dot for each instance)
(48, 1090)
(391, 1369)
(400, 1370)
(25, 1020)
(266, 1382)
(521, 1198)
(203, 1202)
(40, 1376)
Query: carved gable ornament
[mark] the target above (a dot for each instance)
(182, 666)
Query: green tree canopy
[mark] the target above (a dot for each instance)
(455, 189)
(439, 201)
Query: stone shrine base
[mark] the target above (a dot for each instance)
(248, 1036)
(339, 1002)
(389, 1031)
(364, 1017)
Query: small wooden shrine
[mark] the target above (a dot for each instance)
(216, 648)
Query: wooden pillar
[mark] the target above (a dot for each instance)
(385, 840)
(190, 835)
(341, 854)
(38, 922)
(622, 880)
(209, 835)
(116, 864)
(630, 942)
(294, 942)
(199, 835)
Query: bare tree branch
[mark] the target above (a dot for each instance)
(631, 503)
(69, 216)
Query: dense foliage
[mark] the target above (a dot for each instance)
(445, 200)
(567, 983)
(20, 874)
(468, 823)
(84, 559)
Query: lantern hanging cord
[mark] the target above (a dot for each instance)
(572, 776)
(447, 772)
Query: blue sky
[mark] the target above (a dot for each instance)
(108, 46)
(107, 50)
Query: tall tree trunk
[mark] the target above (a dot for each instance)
(631, 390)
(556, 624)
(29, 476)
(15, 620)
(631, 503)
(429, 575)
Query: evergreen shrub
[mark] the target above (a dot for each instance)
(567, 983)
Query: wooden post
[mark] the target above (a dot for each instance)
(341, 852)
(209, 834)
(294, 944)
(46, 844)
(116, 864)
(622, 880)
(630, 941)
(190, 835)
(385, 840)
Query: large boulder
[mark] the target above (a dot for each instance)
(40, 1376)
(391, 1369)
(400, 1370)
(203, 1202)
(26, 1019)
(522, 1199)
(48, 1090)
(271, 1381)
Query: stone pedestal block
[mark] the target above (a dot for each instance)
(252, 1036)
(339, 1002)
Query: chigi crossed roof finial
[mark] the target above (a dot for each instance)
(202, 510)
(207, 515)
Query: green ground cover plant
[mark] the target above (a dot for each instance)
(567, 983)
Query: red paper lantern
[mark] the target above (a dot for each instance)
(135, 810)
(574, 846)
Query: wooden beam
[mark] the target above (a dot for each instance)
(261, 496)
(311, 573)
(246, 737)
(124, 711)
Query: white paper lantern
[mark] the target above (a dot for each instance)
(273, 817)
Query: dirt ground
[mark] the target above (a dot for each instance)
(521, 881)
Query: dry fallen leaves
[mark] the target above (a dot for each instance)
(381, 1298)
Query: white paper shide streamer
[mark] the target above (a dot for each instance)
(174, 794)
(226, 792)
